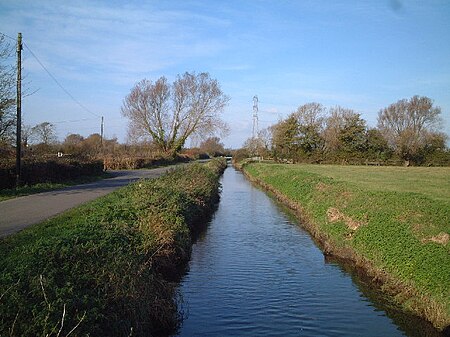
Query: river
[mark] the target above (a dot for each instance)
(256, 272)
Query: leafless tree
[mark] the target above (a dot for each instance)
(7, 92)
(266, 135)
(311, 114)
(334, 125)
(170, 113)
(406, 124)
(44, 133)
(254, 146)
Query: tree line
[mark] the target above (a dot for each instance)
(408, 131)
(165, 115)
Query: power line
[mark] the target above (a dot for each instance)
(59, 84)
(75, 120)
(9, 37)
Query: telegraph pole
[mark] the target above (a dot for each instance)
(101, 133)
(19, 111)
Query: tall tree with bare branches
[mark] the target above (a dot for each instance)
(407, 124)
(7, 92)
(170, 113)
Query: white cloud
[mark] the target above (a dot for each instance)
(86, 37)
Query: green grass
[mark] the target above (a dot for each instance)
(398, 210)
(6, 194)
(433, 182)
(109, 265)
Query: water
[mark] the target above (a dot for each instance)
(254, 272)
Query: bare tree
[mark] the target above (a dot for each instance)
(311, 114)
(407, 123)
(337, 125)
(254, 146)
(7, 92)
(44, 133)
(266, 135)
(169, 114)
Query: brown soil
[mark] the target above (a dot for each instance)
(335, 215)
(442, 238)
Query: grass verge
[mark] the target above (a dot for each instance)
(107, 268)
(398, 234)
(11, 193)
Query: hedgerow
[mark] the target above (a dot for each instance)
(107, 268)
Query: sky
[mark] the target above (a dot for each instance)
(359, 54)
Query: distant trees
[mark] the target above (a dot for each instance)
(310, 120)
(213, 147)
(170, 113)
(44, 133)
(254, 147)
(408, 124)
(91, 146)
(7, 93)
(407, 131)
(285, 138)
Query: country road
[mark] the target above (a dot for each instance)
(18, 213)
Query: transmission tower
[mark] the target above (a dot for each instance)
(255, 116)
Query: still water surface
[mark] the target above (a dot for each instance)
(254, 272)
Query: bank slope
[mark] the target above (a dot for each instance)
(107, 268)
(400, 238)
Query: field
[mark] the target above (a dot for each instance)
(433, 182)
(392, 221)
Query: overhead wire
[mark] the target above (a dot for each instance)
(75, 120)
(59, 84)
(9, 37)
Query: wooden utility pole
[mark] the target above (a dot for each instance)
(19, 111)
(101, 133)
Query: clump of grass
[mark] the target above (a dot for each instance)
(108, 265)
(400, 237)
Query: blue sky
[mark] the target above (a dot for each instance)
(362, 55)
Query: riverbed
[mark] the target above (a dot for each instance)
(256, 272)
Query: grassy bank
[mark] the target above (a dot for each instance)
(393, 222)
(107, 267)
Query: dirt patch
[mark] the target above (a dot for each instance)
(322, 187)
(335, 215)
(442, 238)
(346, 195)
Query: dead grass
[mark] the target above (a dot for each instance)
(335, 215)
(442, 239)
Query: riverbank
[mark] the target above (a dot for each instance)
(400, 238)
(109, 266)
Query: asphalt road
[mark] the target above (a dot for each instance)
(18, 213)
